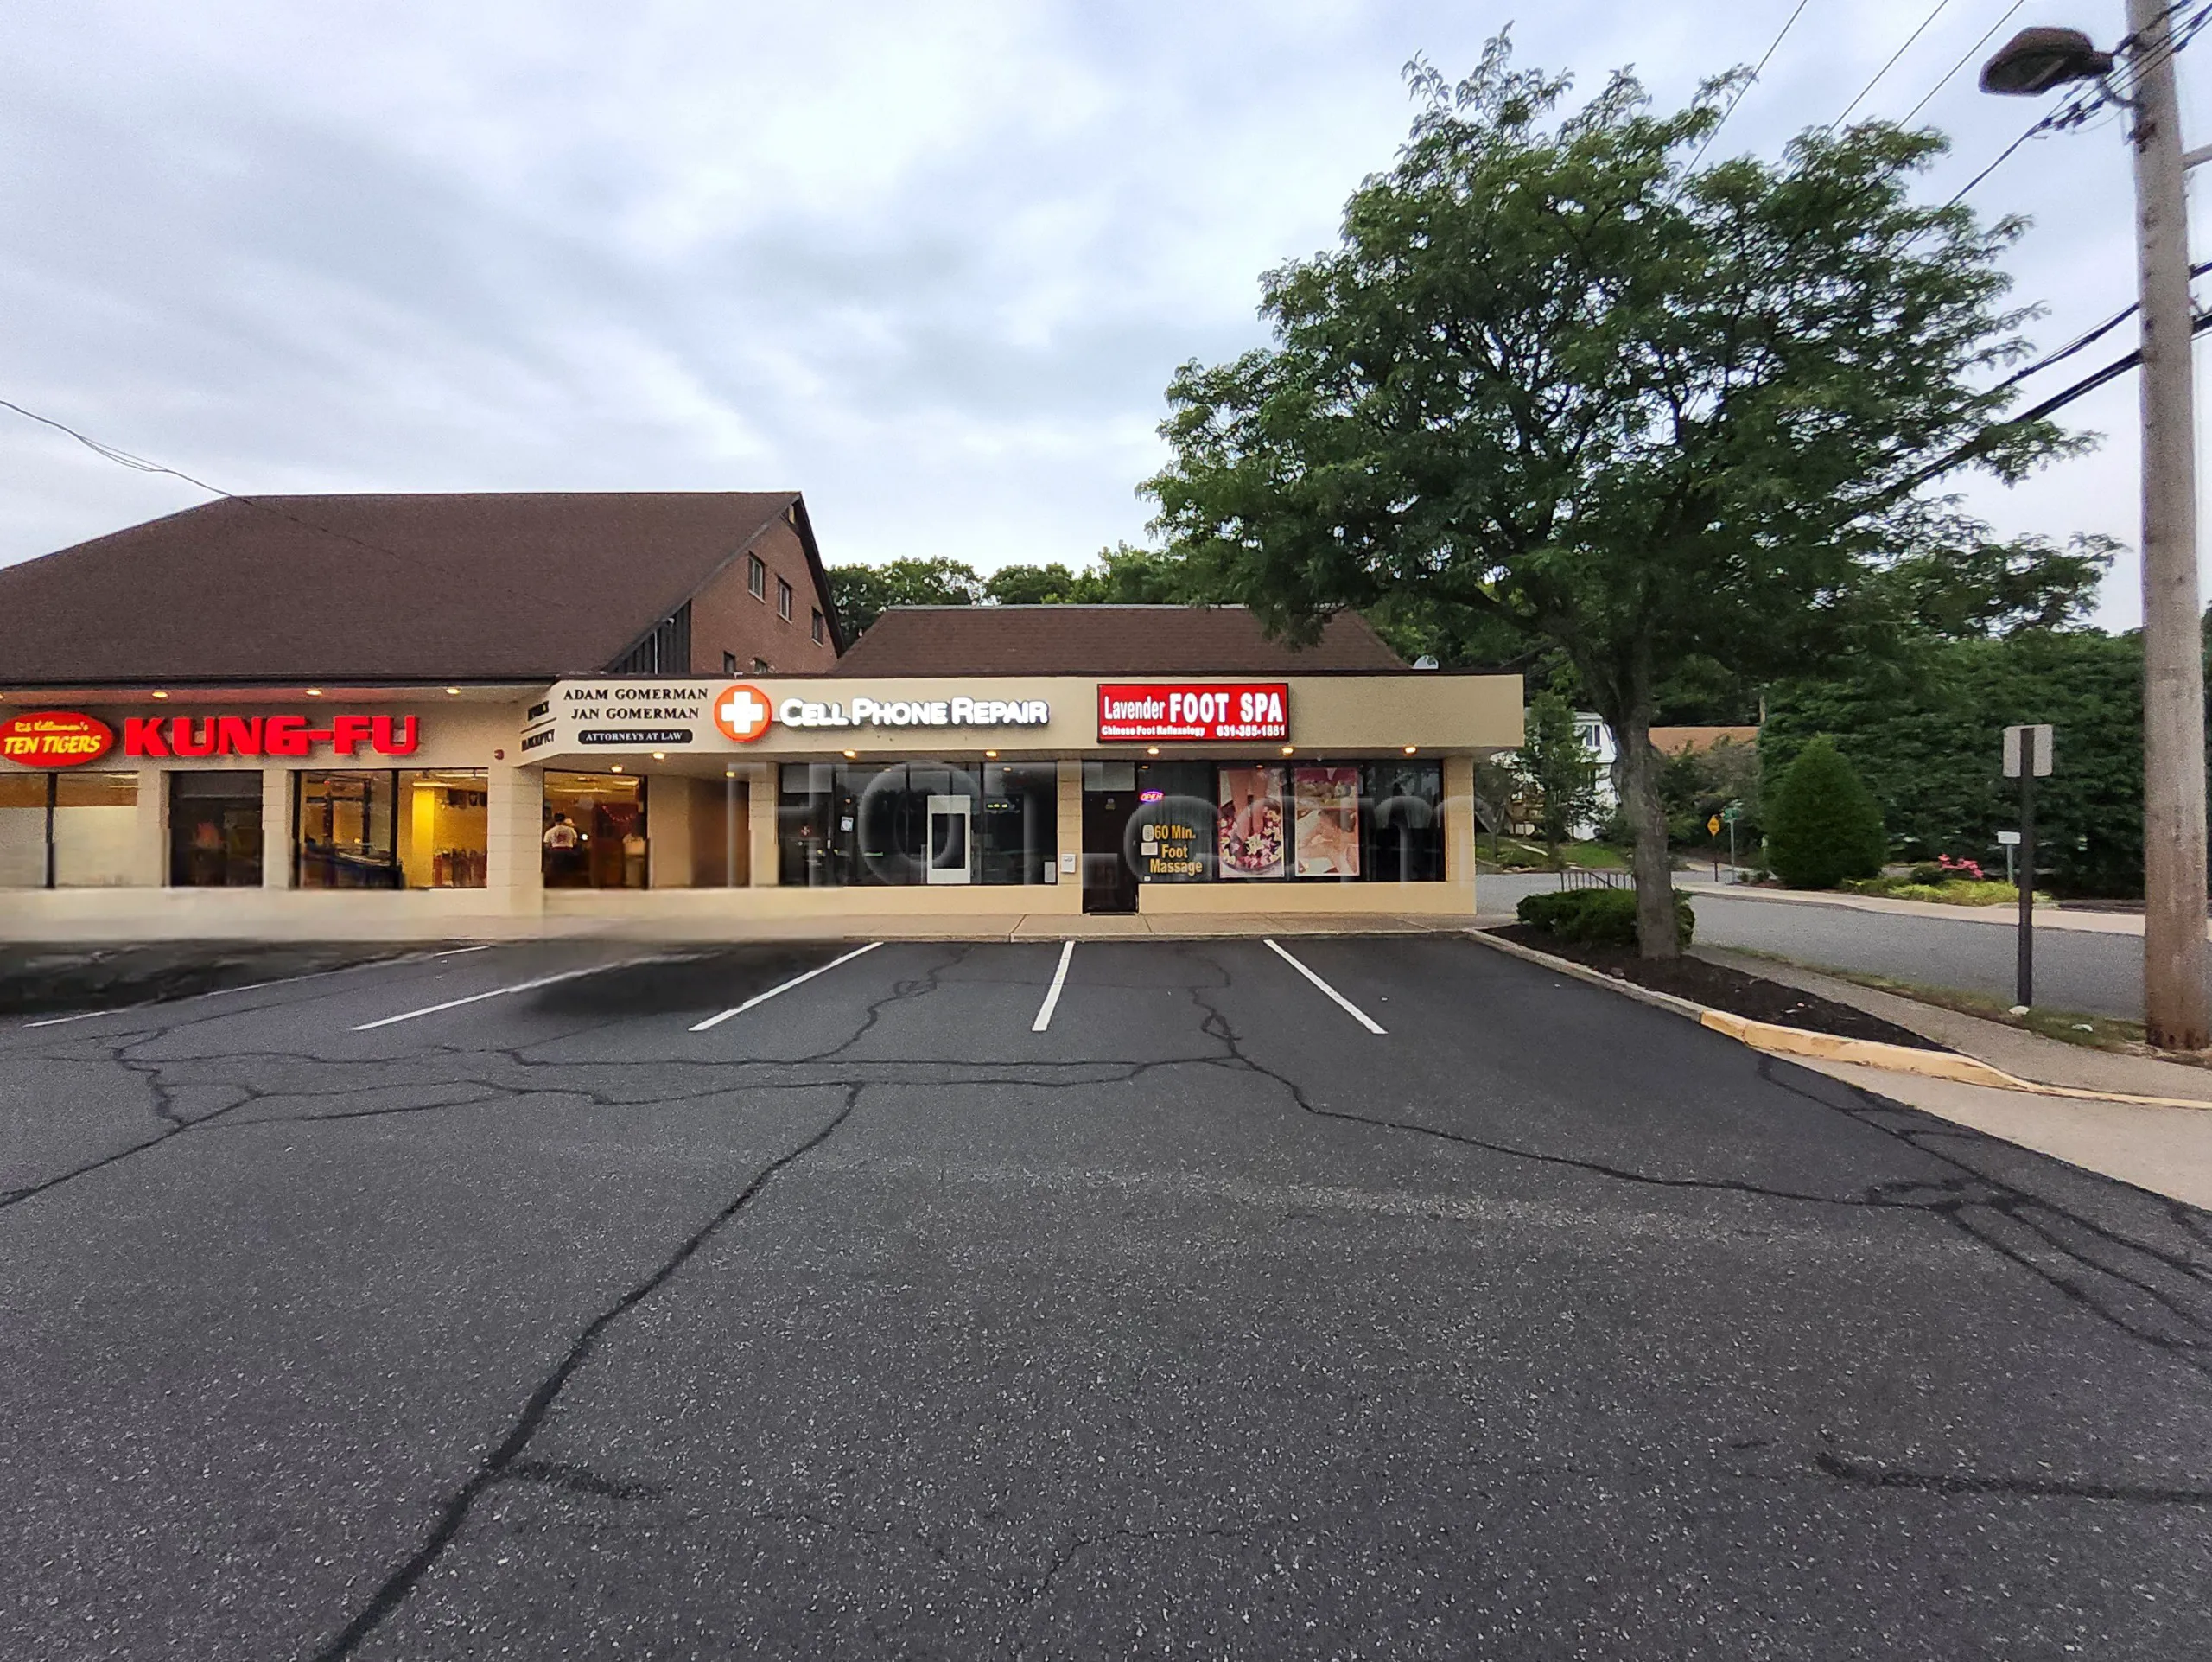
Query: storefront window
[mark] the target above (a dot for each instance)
(24, 828)
(68, 830)
(390, 829)
(1173, 829)
(1402, 831)
(594, 831)
(215, 829)
(843, 827)
(343, 830)
(444, 827)
(1019, 835)
(95, 830)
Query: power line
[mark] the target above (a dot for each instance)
(2088, 337)
(1967, 58)
(1757, 72)
(1892, 64)
(2075, 110)
(139, 464)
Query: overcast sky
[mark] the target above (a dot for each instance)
(931, 265)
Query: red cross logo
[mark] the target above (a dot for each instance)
(741, 712)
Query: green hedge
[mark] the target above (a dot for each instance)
(1596, 917)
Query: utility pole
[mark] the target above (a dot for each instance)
(2176, 1006)
(2178, 1010)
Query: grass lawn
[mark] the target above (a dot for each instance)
(2073, 1026)
(1513, 854)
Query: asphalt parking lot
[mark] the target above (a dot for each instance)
(1342, 1297)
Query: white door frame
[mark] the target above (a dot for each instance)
(962, 808)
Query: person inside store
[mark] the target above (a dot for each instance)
(563, 851)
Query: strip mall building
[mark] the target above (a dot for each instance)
(441, 716)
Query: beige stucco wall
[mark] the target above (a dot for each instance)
(1456, 716)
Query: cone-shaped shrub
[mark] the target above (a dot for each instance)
(1822, 824)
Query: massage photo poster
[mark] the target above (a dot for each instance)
(1251, 822)
(1317, 831)
(1326, 822)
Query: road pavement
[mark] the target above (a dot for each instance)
(1341, 1297)
(2096, 972)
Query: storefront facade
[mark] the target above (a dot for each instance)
(682, 802)
(402, 717)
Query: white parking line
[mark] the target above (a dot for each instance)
(716, 1020)
(1357, 1014)
(1052, 997)
(501, 992)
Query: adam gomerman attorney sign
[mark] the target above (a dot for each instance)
(1193, 711)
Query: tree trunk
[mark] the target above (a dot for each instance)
(1636, 779)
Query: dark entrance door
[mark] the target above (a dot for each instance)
(214, 830)
(1110, 882)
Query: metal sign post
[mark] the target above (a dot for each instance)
(2027, 758)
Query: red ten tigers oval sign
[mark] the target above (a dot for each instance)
(54, 738)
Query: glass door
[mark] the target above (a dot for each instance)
(949, 838)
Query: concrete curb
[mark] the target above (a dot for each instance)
(1778, 1040)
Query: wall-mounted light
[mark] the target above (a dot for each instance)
(314, 693)
(160, 695)
(617, 768)
(990, 755)
(852, 755)
(1289, 749)
(452, 692)
(1411, 748)
(729, 772)
(660, 755)
(1152, 750)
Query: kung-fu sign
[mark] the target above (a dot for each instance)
(1186, 712)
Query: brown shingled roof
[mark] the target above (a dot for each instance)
(485, 587)
(1103, 641)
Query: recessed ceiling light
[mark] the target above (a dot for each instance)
(452, 692)
(991, 755)
(852, 755)
(1411, 748)
(660, 755)
(1288, 749)
(314, 693)
(1152, 750)
(160, 695)
(729, 772)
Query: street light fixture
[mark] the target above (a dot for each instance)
(2177, 1004)
(2036, 61)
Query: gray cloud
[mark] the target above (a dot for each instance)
(932, 265)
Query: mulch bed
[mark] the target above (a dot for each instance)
(1719, 987)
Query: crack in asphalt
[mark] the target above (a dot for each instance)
(1983, 1202)
(1866, 1476)
(1217, 1024)
(501, 1462)
(576, 1479)
(1971, 1200)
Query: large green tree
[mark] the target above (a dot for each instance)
(864, 593)
(1649, 413)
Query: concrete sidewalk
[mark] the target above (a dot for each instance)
(2047, 917)
(2165, 1150)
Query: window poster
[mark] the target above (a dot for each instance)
(1251, 822)
(1327, 802)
